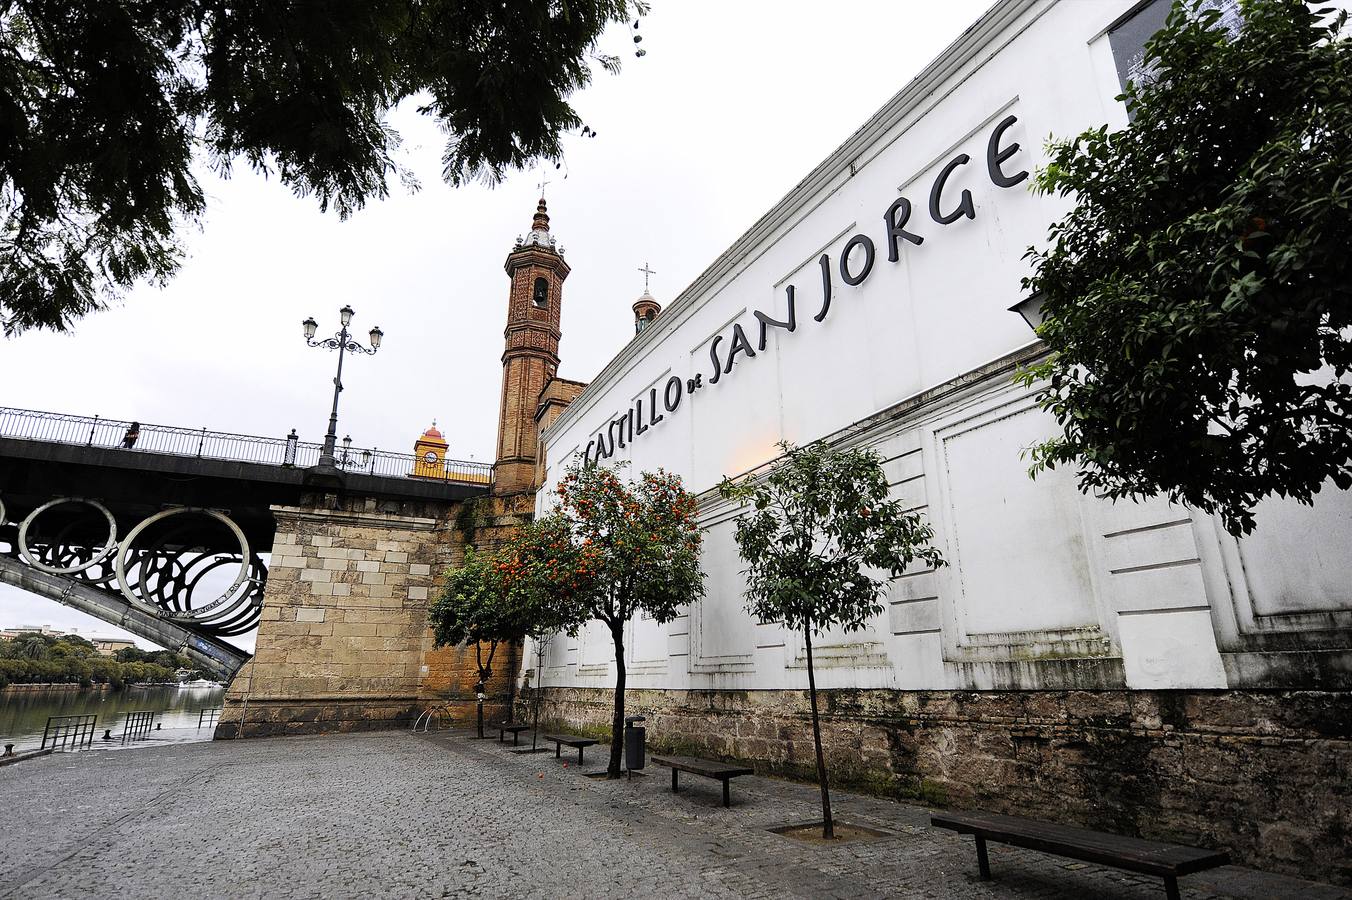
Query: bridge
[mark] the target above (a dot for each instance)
(163, 531)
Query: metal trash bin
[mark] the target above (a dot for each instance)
(635, 743)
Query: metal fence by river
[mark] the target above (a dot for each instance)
(24, 713)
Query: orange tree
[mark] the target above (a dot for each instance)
(486, 602)
(547, 571)
(821, 541)
(616, 548)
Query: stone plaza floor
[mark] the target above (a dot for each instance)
(397, 815)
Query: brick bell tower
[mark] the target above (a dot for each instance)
(531, 355)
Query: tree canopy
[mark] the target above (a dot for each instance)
(822, 538)
(614, 548)
(477, 604)
(484, 602)
(1198, 297)
(636, 544)
(104, 107)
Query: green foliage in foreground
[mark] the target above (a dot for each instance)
(1199, 295)
(105, 107)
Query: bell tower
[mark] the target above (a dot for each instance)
(531, 355)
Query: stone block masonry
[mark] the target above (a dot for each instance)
(344, 643)
(451, 671)
(1266, 775)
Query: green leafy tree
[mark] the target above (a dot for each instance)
(623, 548)
(73, 646)
(479, 605)
(34, 646)
(105, 107)
(822, 540)
(551, 575)
(1198, 297)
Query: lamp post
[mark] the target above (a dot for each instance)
(343, 343)
(1030, 308)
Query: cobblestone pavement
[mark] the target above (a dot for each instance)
(397, 815)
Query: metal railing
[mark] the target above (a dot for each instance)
(69, 732)
(94, 431)
(137, 725)
(208, 715)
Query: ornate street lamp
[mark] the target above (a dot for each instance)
(343, 343)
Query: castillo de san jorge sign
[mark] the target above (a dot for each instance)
(854, 269)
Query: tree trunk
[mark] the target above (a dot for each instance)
(480, 705)
(479, 688)
(485, 675)
(617, 723)
(539, 677)
(828, 825)
(513, 659)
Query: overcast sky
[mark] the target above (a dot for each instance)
(732, 106)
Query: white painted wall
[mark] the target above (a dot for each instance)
(1038, 573)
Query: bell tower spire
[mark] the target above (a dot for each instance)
(530, 357)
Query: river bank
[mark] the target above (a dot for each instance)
(70, 686)
(24, 713)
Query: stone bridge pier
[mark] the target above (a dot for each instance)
(344, 644)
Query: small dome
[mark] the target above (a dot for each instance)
(646, 309)
(431, 434)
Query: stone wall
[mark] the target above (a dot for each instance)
(343, 644)
(1266, 775)
(451, 672)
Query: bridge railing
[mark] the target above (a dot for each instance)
(94, 431)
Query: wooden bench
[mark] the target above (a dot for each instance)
(707, 767)
(1168, 861)
(562, 740)
(514, 729)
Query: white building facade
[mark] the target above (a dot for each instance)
(870, 307)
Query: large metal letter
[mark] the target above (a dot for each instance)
(673, 382)
(859, 240)
(653, 415)
(897, 229)
(995, 156)
(739, 345)
(766, 321)
(825, 263)
(965, 207)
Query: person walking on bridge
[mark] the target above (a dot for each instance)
(133, 433)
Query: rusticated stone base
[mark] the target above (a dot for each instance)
(272, 718)
(1266, 775)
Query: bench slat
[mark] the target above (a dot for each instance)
(569, 740)
(1119, 851)
(707, 767)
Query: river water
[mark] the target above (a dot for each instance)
(23, 713)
